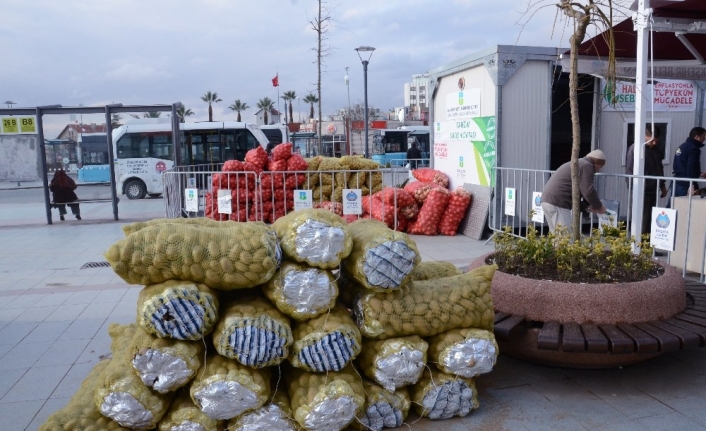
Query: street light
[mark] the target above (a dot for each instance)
(9, 103)
(348, 112)
(365, 49)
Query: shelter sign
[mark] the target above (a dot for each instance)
(10, 125)
(465, 150)
(668, 95)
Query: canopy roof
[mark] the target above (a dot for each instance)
(678, 34)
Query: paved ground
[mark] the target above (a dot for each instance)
(54, 318)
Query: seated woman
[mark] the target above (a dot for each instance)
(62, 188)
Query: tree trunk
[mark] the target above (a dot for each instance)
(239, 117)
(291, 116)
(210, 112)
(575, 41)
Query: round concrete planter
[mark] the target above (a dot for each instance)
(550, 301)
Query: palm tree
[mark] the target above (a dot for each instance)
(238, 106)
(311, 99)
(148, 114)
(266, 104)
(210, 98)
(115, 121)
(182, 113)
(289, 95)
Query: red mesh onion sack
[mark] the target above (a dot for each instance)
(459, 200)
(383, 212)
(249, 167)
(257, 156)
(334, 207)
(419, 190)
(274, 165)
(429, 218)
(282, 151)
(233, 166)
(297, 163)
(429, 175)
(400, 198)
(272, 180)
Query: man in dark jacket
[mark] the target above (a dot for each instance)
(653, 168)
(556, 196)
(414, 155)
(687, 161)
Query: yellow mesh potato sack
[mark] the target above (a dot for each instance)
(177, 309)
(224, 389)
(430, 307)
(383, 409)
(81, 414)
(183, 415)
(315, 236)
(120, 394)
(329, 164)
(434, 269)
(464, 352)
(253, 332)
(381, 259)
(326, 343)
(201, 221)
(300, 291)
(244, 255)
(165, 364)
(395, 362)
(276, 415)
(443, 396)
(326, 402)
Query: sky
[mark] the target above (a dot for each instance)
(91, 53)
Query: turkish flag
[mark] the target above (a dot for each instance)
(275, 81)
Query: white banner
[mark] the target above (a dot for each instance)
(663, 228)
(302, 200)
(668, 95)
(463, 104)
(352, 201)
(536, 205)
(510, 201)
(224, 202)
(191, 200)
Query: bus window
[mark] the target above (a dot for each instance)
(133, 145)
(214, 148)
(162, 147)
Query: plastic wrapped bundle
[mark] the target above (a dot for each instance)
(253, 332)
(165, 364)
(326, 402)
(81, 414)
(464, 352)
(224, 389)
(120, 394)
(183, 415)
(395, 362)
(443, 396)
(381, 259)
(434, 269)
(383, 409)
(429, 307)
(301, 292)
(177, 309)
(277, 415)
(314, 236)
(326, 343)
(199, 221)
(241, 256)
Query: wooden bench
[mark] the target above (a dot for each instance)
(683, 330)
(85, 201)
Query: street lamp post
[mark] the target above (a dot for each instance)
(365, 49)
(348, 113)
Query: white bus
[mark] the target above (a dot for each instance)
(144, 149)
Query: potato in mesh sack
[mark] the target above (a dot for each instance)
(430, 307)
(429, 175)
(326, 343)
(274, 416)
(253, 332)
(120, 394)
(439, 395)
(165, 364)
(183, 415)
(315, 236)
(244, 255)
(381, 259)
(326, 402)
(465, 352)
(419, 190)
(327, 165)
(300, 291)
(201, 221)
(81, 414)
(395, 362)
(434, 269)
(383, 409)
(359, 163)
(178, 309)
(224, 389)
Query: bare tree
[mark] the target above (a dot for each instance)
(320, 25)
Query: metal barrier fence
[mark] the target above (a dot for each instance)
(266, 196)
(615, 190)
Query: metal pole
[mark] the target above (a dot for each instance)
(113, 161)
(43, 151)
(365, 92)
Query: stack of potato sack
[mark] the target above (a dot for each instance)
(426, 327)
(278, 174)
(327, 185)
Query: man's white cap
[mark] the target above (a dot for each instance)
(596, 157)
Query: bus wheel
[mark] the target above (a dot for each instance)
(155, 195)
(135, 189)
